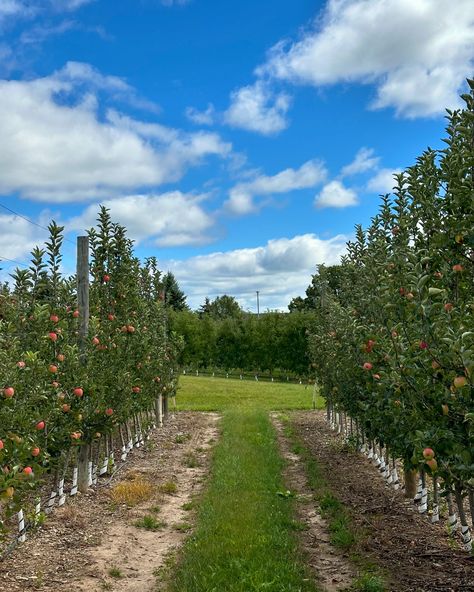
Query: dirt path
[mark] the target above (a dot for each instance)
(417, 555)
(94, 545)
(332, 570)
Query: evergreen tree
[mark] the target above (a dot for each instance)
(174, 297)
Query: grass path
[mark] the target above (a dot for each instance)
(246, 535)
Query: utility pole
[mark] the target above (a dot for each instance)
(258, 305)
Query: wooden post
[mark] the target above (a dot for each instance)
(83, 307)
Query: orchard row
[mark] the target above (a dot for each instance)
(68, 382)
(393, 343)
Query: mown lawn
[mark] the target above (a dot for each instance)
(245, 539)
(197, 393)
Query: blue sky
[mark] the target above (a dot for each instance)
(239, 142)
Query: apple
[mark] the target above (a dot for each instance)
(432, 463)
(136, 389)
(402, 291)
(106, 278)
(428, 453)
(458, 268)
(54, 318)
(8, 392)
(111, 317)
(367, 366)
(460, 381)
(435, 365)
(1, 445)
(60, 357)
(448, 307)
(28, 470)
(55, 383)
(21, 364)
(78, 392)
(66, 408)
(35, 451)
(130, 329)
(95, 341)
(394, 334)
(40, 425)
(423, 345)
(9, 491)
(53, 336)
(109, 412)
(438, 275)
(157, 378)
(52, 368)
(76, 435)
(410, 296)
(376, 376)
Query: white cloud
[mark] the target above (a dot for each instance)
(416, 52)
(167, 219)
(18, 237)
(55, 146)
(280, 270)
(206, 117)
(257, 108)
(383, 182)
(335, 195)
(241, 196)
(364, 161)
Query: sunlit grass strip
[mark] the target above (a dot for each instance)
(218, 394)
(244, 539)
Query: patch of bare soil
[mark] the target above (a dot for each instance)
(93, 544)
(417, 556)
(332, 570)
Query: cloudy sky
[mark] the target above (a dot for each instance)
(239, 142)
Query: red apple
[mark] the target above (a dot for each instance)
(109, 412)
(428, 453)
(55, 383)
(78, 392)
(60, 357)
(40, 425)
(54, 318)
(21, 364)
(76, 435)
(432, 463)
(448, 307)
(106, 278)
(28, 470)
(376, 376)
(66, 408)
(8, 391)
(110, 317)
(460, 381)
(136, 389)
(75, 314)
(52, 368)
(458, 268)
(423, 345)
(53, 336)
(1, 445)
(95, 341)
(130, 328)
(35, 451)
(367, 366)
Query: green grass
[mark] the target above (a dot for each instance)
(150, 523)
(245, 537)
(198, 393)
